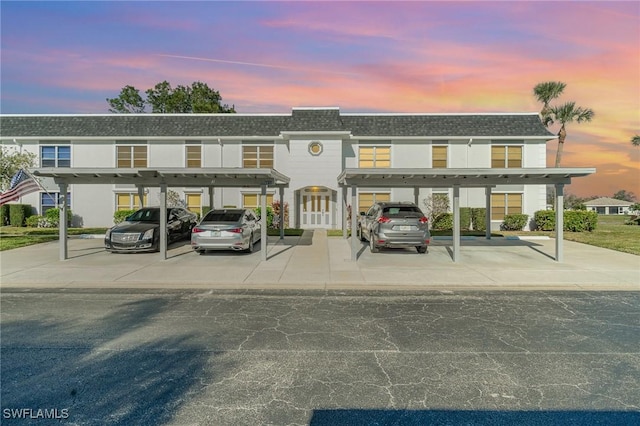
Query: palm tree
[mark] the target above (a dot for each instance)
(635, 141)
(567, 113)
(545, 93)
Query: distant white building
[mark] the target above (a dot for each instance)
(311, 146)
(605, 205)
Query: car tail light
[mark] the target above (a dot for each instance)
(424, 219)
(235, 230)
(384, 219)
(196, 229)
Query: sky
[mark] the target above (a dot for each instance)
(61, 57)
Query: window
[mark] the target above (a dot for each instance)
(193, 155)
(257, 157)
(252, 201)
(506, 156)
(367, 199)
(194, 203)
(374, 157)
(132, 156)
(439, 156)
(503, 204)
(55, 156)
(129, 201)
(50, 200)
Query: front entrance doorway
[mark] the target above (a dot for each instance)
(316, 207)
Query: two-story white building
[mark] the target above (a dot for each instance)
(311, 146)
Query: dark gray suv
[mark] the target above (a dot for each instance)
(400, 224)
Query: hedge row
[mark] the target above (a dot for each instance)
(574, 220)
(470, 218)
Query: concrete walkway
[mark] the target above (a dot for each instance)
(315, 261)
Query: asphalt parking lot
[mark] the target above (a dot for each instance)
(315, 261)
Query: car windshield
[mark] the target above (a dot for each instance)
(402, 211)
(146, 215)
(222, 216)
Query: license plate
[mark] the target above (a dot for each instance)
(404, 228)
(215, 233)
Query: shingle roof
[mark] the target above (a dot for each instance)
(271, 125)
(606, 201)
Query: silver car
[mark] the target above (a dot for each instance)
(394, 225)
(226, 229)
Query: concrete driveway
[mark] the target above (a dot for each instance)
(315, 261)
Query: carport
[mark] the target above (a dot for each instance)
(169, 177)
(487, 178)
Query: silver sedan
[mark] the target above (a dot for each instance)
(226, 229)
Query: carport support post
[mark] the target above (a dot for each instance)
(263, 222)
(140, 197)
(559, 220)
(62, 219)
(163, 220)
(456, 222)
(487, 213)
(211, 194)
(416, 195)
(281, 218)
(354, 226)
(344, 212)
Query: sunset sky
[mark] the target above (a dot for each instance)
(420, 56)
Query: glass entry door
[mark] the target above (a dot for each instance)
(316, 208)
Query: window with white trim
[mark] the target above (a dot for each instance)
(131, 156)
(257, 156)
(506, 156)
(367, 199)
(505, 203)
(193, 154)
(374, 157)
(129, 201)
(55, 156)
(252, 201)
(439, 156)
(51, 200)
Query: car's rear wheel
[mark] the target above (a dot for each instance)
(421, 249)
(200, 251)
(372, 245)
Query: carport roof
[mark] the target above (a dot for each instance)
(179, 176)
(480, 177)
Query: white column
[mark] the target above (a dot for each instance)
(163, 221)
(559, 221)
(487, 206)
(456, 223)
(62, 225)
(354, 222)
(344, 212)
(282, 216)
(263, 222)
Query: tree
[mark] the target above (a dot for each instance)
(564, 114)
(436, 205)
(11, 161)
(162, 98)
(624, 195)
(129, 101)
(545, 93)
(635, 141)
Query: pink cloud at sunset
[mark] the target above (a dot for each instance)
(359, 56)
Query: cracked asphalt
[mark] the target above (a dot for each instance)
(198, 357)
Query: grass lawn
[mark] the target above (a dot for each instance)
(11, 237)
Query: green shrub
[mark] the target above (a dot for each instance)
(53, 216)
(444, 222)
(270, 215)
(33, 221)
(580, 221)
(4, 215)
(479, 219)
(514, 222)
(574, 220)
(633, 220)
(545, 220)
(121, 215)
(465, 218)
(18, 213)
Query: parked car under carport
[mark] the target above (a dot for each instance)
(141, 231)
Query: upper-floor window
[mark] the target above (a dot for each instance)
(374, 157)
(439, 156)
(193, 155)
(131, 156)
(55, 156)
(506, 156)
(257, 156)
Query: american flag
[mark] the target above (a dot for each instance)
(22, 183)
